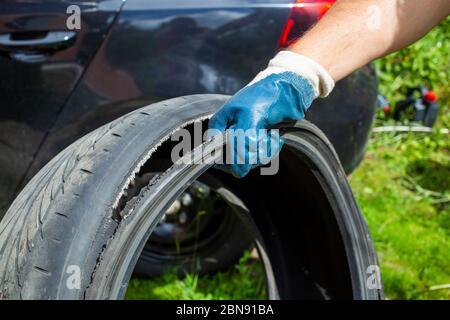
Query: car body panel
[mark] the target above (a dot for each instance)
(163, 49)
(35, 85)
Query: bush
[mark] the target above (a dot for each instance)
(425, 62)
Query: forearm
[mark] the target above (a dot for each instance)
(355, 32)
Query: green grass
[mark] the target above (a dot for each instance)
(403, 190)
(402, 186)
(245, 280)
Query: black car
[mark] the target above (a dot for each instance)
(61, 81)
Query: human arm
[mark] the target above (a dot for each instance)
(356, 32)
(352, 33)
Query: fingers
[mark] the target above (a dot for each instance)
(247, 146)
(269, 146)
(243, 147)
(251, 150)
(219, 121)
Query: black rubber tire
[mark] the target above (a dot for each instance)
(66, 216)
(431, 115)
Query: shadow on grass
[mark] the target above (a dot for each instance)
(431, 175)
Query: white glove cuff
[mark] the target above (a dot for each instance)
(305, 67)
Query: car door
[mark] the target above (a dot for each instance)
(45, 46)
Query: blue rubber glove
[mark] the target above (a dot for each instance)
(274, 99)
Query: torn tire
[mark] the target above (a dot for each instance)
(70, 220)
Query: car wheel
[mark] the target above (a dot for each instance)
(199, 233)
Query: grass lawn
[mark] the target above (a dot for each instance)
(245, 280)
(402, 187)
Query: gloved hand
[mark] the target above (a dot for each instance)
(284, 91)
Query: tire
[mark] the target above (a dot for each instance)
(68, 235)
(431, 115)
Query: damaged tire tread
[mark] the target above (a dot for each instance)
(51, 198)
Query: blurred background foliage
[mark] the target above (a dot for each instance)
(402, 187)
(425, 62)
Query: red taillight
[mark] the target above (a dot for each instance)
(430, 97)
(303, 15)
